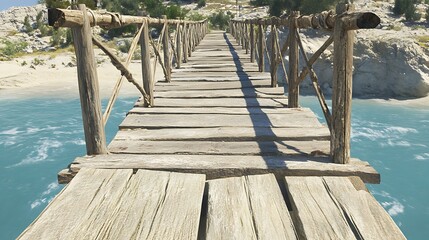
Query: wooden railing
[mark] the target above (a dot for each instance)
(341, 26)
(174, 50)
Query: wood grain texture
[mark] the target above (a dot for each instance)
(239, 209)
(117, 204)
(334, 204)
(219, 102)
(225, 93)
(213, 120)
(225, 134)
(215, 166)
(220, 148)
(224, 110)
(93, 125)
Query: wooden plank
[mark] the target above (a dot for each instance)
(239, 209)
(218, 102)
(214, 120)
(117, 204)
(215, 166)
(181, 85)
(225, 134)
(65, 212)
(231, 77)
(368, 218)
(316, 215)
(221, 75)
(227, 93)
(157, 205)
(220, 148)
(233, 69)
(224, 110)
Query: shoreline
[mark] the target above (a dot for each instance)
(56, 79)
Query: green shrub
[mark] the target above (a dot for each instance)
(37, 62)
(195, 17)
(11, 49)
(201, 3)
(304, 6)
(408, 8)
(27, 25)
(259, 3)
(220, 20)
(175, 12)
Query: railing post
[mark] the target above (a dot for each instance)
(166, 44)
(293, 87)
(261, 48)
(342, 88)
(92, 116)
(273, 65)
(185, 42)
(246, 37)
(191, 39)
(179, 46)
(252, 43)
(243, 35)
(146, 66)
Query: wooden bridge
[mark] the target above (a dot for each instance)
(220, 154)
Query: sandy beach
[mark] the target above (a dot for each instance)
(21, 78)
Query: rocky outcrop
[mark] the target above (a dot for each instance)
(12, 20)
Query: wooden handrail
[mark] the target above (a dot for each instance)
(341, 25)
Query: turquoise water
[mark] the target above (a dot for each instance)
(395, 140)
(39, 137)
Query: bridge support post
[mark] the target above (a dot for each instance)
(185, 42)
(273, 65)
(179, 46)
(252, 43)
(293, 88)
(342, 87)
(146, 65)
(92, 117)
(166, 46)
(261, 48)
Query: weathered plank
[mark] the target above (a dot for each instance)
(157, 205)
(213, 120)
(224, 110)
(334, 204)
(217, 78)
(239, 209)
(368, 217)
(316, 214)
(215, 166)
(218, 102)
(117, 204)
(225, 93)
(220, 148)
(225, 134)
(220, 75)
(181, 85)
(233, 69)
(65, 212)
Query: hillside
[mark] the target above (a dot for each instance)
(390, 62)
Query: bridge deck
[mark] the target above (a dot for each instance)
(219, 157)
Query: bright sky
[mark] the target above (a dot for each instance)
(5, 4)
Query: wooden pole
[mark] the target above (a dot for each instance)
(293, 88)
(246, 37)
(252, 43)
(342, 88)
(185, 42)
(179, 46)
(92, 117)
(165, 44)
(273, 64)
(190, 39)
(261, 48)
(146, 66)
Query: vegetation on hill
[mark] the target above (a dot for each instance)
(278, 7)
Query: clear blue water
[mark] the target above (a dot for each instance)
(39, 137)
